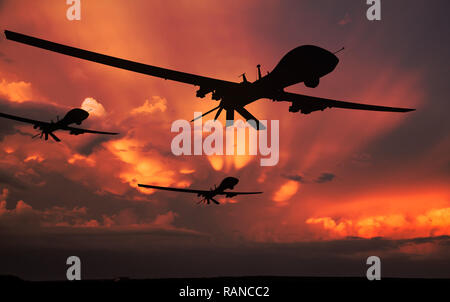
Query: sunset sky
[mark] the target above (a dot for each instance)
(349, 184)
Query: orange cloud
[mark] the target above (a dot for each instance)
(224, 200)
(187, 171)
(157, 104)
(78, 157)
(34, 157)
(216, 161)
(8, 150)
(16, 91)
(435, 222)
(286, 191)
(228, 163)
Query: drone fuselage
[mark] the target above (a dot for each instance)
(305, 64)
(227, 183)
(73, 116)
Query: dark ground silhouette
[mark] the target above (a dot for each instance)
(277, 288)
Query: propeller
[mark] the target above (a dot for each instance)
(215, 201)
(230, 116)
(208, 112)
(203, 200)
(54, 137)
(45, 134)
(244, 78)
(36, 135)
(207, 199)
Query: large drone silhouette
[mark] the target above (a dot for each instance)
(208, 195)
(46, 129)
(305, 64)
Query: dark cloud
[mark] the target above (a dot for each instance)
(7, 178)
(95, 142)
(325, 177)
(294, 177)
(345, 20)
(150, 255)
(4, 58)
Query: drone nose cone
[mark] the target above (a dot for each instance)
(334, 60)
(327, 61)
(234, 182)
(229, 182)
(330, 61)
(84, 114)
(234, 179)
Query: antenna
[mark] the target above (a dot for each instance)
(244, 78)
(339, 50)
(259, 71)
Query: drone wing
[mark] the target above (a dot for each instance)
(168, 74)
(307, 104)
(173, 189)
(231, 193)
(76, 131)
(24, 120)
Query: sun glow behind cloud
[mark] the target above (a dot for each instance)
(143, 168)
(93, 107)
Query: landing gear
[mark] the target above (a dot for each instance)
(312, 83)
